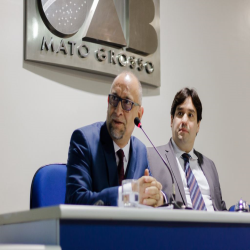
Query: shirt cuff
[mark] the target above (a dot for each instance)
(165, 200)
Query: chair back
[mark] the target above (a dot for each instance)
(231, 209)
(48, 186)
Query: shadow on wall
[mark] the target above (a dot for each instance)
(84, 81)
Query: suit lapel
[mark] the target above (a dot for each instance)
(109, 153)
(132, 162)
(175, 170)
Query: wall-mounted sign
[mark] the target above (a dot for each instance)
(98, 36)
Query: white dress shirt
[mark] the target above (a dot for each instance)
(125, 164)
(128, 186)
(199, 176)
(126, 155)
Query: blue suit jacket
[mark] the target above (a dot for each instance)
(91, 169)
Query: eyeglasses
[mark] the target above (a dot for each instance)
(126, 104)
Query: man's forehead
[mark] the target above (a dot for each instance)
(187, 105)
(120, 83)
(180, 108)
(120, 87)
(122, 94)
(125, 88)
(128, 79)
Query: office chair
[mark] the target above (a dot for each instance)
(231, 209)
(48, 186)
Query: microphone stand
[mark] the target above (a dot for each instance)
(172, 201)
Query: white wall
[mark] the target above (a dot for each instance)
(204, 44)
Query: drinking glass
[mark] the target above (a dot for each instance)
(130, 193)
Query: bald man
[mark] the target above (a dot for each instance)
(102, 154)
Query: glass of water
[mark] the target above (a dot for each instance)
(130, 193)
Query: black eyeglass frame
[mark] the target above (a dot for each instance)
(120, 100)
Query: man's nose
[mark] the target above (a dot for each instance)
(119, 109)
(184, 118)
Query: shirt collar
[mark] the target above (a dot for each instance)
(179, 152)
(125, 149)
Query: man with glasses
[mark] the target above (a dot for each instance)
(102, 154)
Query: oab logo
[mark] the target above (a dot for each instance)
(122, 30)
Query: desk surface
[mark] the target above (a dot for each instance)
(65, 212)
(72, 227)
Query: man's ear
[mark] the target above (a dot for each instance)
(171, 123)
(198, 127)
(140, 112)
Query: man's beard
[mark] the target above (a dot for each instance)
(115, 133)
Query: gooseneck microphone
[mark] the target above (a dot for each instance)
(177, 205)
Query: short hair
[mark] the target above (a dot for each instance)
(181, 96)
(133, 75)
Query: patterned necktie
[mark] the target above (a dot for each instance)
(120, 154)
(195, 193)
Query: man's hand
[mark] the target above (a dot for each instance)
(150, 191)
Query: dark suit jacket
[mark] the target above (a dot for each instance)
(91, 169)
(161, 173)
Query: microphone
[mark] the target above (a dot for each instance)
(178, 204)
(241, 206)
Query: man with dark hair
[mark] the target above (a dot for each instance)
(195, 176)
(102, 154)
